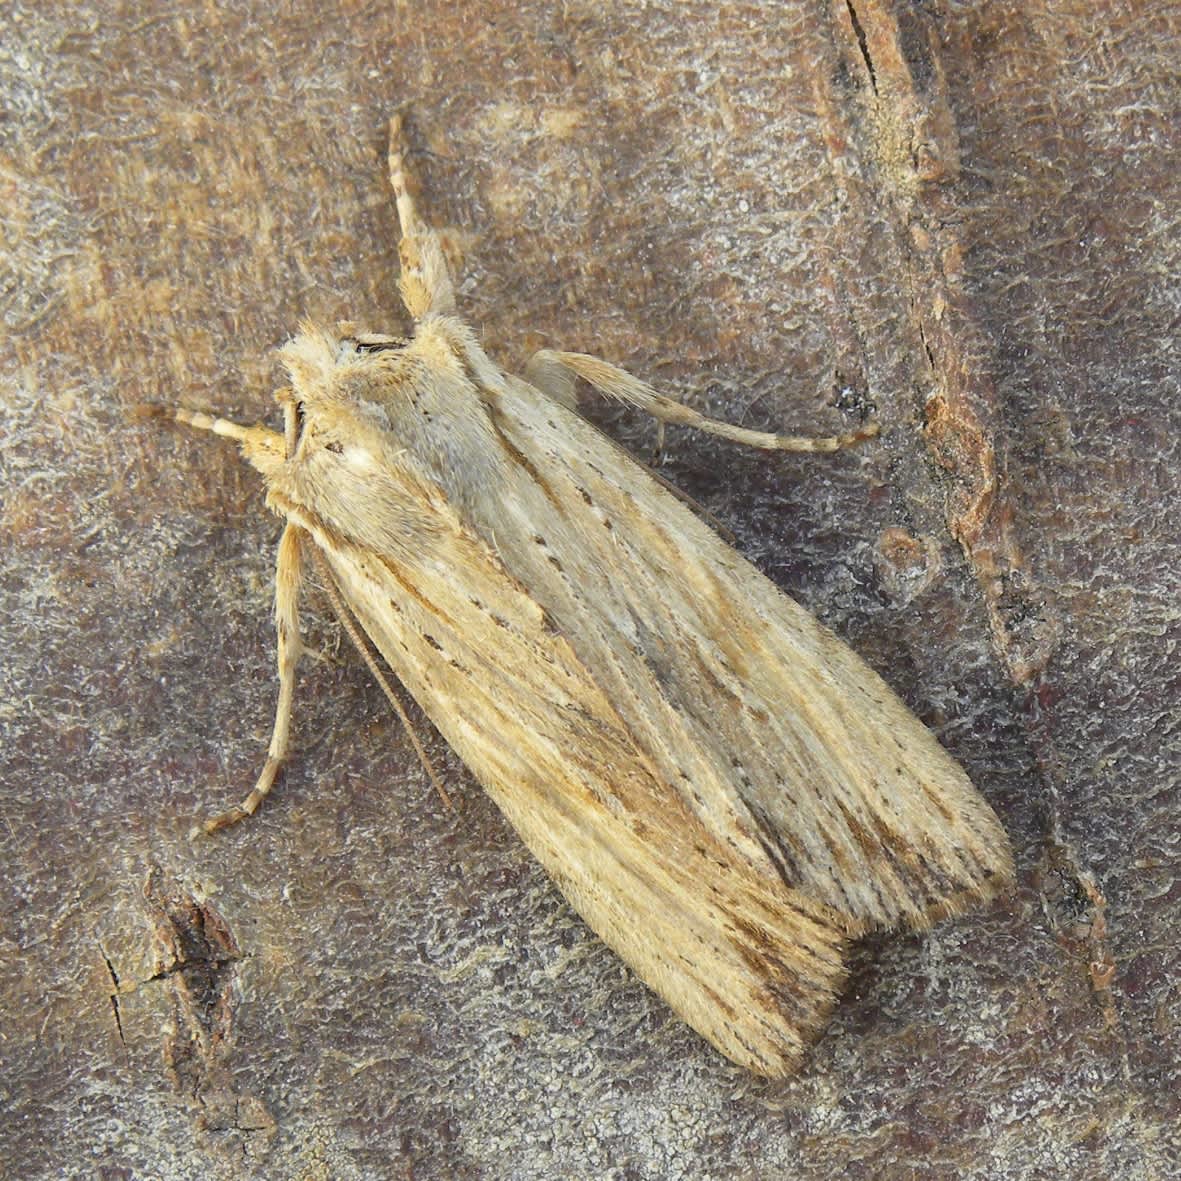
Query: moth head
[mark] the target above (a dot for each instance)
(325, 365)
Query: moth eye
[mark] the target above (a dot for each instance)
(335, 447)
(372, 342)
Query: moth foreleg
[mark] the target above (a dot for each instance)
(554, 372)
(288, 575)
(425, 282)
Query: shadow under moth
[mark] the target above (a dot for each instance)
(718, 785)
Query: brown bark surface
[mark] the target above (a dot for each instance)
(961, 215)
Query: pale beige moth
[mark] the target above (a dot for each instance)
(718, 785)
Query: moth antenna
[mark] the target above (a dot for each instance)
(346, 621)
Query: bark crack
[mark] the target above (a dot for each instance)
(114, 994)
(863, 44)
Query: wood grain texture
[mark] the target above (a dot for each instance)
(717, 196)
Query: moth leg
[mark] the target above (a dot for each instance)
(554, 373)
(658, 453)
(288, 575)
(425, 282)
(263, 447)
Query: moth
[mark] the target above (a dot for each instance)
(718, 785)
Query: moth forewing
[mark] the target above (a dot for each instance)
(750, 963)
(723, 790)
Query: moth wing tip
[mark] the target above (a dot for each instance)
(985, 891)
